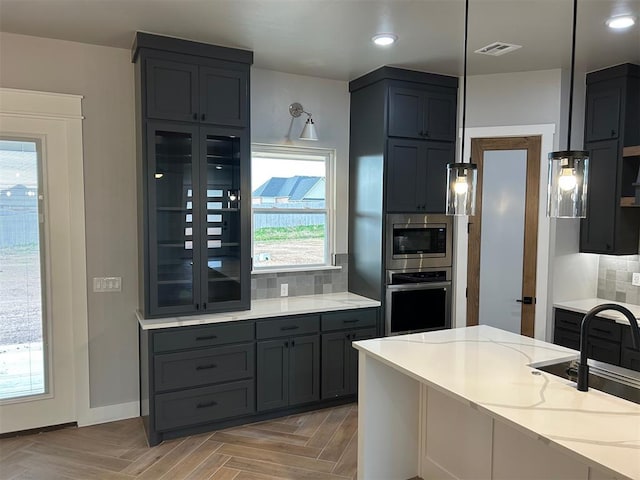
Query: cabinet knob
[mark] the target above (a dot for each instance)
(195, 116)
(286, 344)
(293, 343)
(197, 306)
(202, 117)
(204, 306)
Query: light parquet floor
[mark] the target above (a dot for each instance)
(318, 445)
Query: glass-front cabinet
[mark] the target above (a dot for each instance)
(196, 257)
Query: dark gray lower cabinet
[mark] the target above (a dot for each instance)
(288, 361)
(201, 378)
(607, 339)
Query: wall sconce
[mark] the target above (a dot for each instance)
(309, 130)
(568, 169)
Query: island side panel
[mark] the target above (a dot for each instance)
(388, 422)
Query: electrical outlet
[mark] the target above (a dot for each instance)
(635, 279)
(284, 290)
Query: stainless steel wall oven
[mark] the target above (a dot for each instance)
(418, 273)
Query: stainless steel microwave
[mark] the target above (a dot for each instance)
(418, 241)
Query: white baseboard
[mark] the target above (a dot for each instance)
(109, 413)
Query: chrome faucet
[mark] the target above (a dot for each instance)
(583, 368)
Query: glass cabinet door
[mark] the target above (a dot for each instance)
(222, 224)
(173, 202)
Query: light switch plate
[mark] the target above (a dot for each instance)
(107, 284)
(284, 290)
(635, 279)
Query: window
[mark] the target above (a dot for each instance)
(291, 200)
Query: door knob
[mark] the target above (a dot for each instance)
(526, 300)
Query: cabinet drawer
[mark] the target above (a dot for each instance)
(348, 319)
(202, 405)
(630, 359)
(604, 350)
(287, 326)
(605, 328)
(204, 366)
(567, 338)
(568, 320)
(181, 338)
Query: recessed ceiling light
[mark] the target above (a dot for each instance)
(621, 21)
(384, 39)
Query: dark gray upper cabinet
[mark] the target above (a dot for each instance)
(193, 169)
(411, 164)
(612, 125)
(420, 113)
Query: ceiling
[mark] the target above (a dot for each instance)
(332, 38)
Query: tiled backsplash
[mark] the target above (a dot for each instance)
(267, 285)
(614, 278)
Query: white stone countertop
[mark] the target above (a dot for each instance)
(271, 307)
(586, 304)
(490, 369)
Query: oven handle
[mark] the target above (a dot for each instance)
(418, 286)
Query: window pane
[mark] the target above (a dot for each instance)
(21, 308)
(288, 183)
(284, 239)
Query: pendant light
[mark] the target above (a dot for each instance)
(462, 176)
(568, 169)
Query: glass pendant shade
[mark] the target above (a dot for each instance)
(309, 131)
(461, 191)
(568, 178)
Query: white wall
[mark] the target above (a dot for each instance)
(104, 76)
(328, 101)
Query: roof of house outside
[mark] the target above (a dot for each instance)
(294, 188)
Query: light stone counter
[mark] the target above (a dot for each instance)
(272, 307)
(586, 304)
(465, 403)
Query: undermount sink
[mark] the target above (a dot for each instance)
(610, 379)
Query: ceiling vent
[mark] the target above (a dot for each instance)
(496, 49)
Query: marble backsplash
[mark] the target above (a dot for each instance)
(614, 278)
(267, 285)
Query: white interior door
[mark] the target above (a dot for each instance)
(37, 272)
(502, 238)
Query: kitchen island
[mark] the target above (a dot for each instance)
(466, 404)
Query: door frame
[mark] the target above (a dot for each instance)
(62, 113)
(530, 144)
(544, 305)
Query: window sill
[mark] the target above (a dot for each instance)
(263, 271)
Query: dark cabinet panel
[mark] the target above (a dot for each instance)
(603, 113)
(349, 319)
(630, 359)
(612, 122)
(335, 364)
(223, 97)
(172, 90)
(272, 374)
(417, 175)
(304, 369)
(597, 232)
(352, 356)
(422, 114)
(604, 350)
(287, 326)
(566, 338)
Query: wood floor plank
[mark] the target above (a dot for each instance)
(255, 476)
(277, 470)
(341, 438)
(348, 463)
(152, 456)
(255, 431)
(276, 426)
(209, 467)
(8, 446)
(84, 458)
(266, 444)
(225, 473)
(328, 428)
(172, 458)
(190, 462)
(313, 422)
(276, 457)
(65, 467)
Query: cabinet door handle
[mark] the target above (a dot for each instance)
(293, 343)
(426, 133)
(353, 320)
(206, 337)
(207, 405)
(601, 330)
(291, 327)
(197, 306)
(613, 133)
(203, 117)
(286, 344)
(195, 116)
(206, 367)
(204, 306)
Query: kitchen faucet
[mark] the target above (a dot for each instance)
(583, 368)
